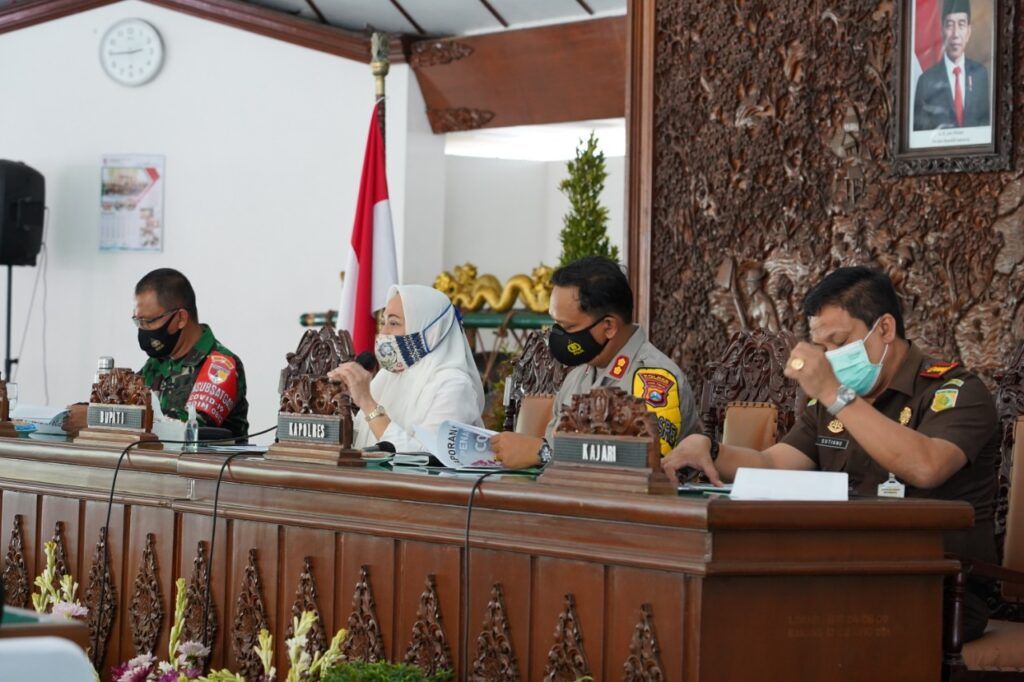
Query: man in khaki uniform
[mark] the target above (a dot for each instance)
(592, 305)
(899, 423)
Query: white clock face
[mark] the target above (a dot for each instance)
(131, 52)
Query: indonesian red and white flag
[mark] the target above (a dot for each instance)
(372, 265)
(927, 38)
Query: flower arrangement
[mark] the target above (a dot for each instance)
(56, 597)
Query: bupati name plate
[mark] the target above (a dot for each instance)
(116, 416)
(600, 450)
(309, 428)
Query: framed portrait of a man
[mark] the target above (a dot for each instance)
(953, 86)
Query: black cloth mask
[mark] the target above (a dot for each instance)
(574, 348)
(159, 343)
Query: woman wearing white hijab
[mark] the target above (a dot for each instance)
(427, 372)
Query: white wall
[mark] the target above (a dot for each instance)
(264, 144)
(505, 216)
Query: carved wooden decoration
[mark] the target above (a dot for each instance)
(17, 588)
(427, 53)
(495, 658)
(751, 371)
(196, 592)
(609, 411)
(1010, 405)
(535, 373)
(643, 663)
(146, 609)
(429, 648)
(318, 353)
(567, 660)
(365, 641)
(793, 177)
(459, 118)
(307, 599)
(121, 386)
(250, 618)
(101, 588)
(60, 554)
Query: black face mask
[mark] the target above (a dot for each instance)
(159, 343)
(574, 348)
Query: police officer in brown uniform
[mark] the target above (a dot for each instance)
(898, 422)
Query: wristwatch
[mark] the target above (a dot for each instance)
(844, 396)
(544, 453)
(714, 448)
(378, 411)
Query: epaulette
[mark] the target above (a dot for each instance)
(939, 370)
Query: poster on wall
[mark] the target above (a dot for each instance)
(132, 203)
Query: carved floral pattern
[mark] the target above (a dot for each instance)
(364, 641)
(427, 53)
(459, 118)
(121, 386)
(146, 609)
(643, 663)
(250, 618)
(304, 387)
(536, 372)
(495, 658)
(197, 595)
(429, 648)
(567, 659)
(793, 177)
(307, 599)
(609, 411)
(100, 589)
(60, 554)
(17, 589)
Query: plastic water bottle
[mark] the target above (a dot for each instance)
(104, 365)
(192, 431)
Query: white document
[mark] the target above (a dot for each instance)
(459, 446)
(47, 419)
(775, 484)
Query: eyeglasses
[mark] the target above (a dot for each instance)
(146, 322)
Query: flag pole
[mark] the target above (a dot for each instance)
(379, 66)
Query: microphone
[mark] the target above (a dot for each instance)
(367, 361)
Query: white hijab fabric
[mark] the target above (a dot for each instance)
(443, 384)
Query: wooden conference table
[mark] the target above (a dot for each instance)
(559, 577)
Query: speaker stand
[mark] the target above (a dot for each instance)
(8, 360)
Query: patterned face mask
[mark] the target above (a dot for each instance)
(399, 353)
(386, 348)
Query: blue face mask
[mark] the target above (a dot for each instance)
(854, 368)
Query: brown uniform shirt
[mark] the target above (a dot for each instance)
(955, 406)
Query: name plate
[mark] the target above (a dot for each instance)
(116, 416)
(600, 450)
(308, 428)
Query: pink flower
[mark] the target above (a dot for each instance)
(69, 610)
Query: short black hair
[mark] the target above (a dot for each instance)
(865, 293)
(172, 289)
(602, 285)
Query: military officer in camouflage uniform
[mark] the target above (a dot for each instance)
(187, 365)
(899, 423)
(592, 305)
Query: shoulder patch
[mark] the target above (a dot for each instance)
(939, 370)
(954, 382)
(945, 399)
(215, 390)
(659, 389)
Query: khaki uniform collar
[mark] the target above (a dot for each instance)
(906, 375)
(632, 347)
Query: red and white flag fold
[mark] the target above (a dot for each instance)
(372, 264)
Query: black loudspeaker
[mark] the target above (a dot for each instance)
(22, 202)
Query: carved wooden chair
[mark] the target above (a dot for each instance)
(749, 388)
(531, 387)
(999, 653)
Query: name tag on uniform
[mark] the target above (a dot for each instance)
(834, 443)
(892, 488)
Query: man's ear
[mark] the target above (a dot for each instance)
(610, 327)
(182, 319)
(888, 328)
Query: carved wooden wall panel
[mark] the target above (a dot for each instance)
(199, 608)
(644, 661)
(429, 650)
(17, 582)
(101, 598)
(353, 552)
(416, 560)
(150, 624)
(250, 617)
(495, 659)
(556, 579)
(113, 648)
(772, 166)
(23, 505)
(307, 598)
(318, 546)
(146, 609)
(245, 610)
(196, 529)
(365, 639)
(567, 659)
(666, 593)
(512, 571)
(66, 512)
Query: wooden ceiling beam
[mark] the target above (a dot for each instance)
(242, 15)
(550, 74)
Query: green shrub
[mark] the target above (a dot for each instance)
(382, 672)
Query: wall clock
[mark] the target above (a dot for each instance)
(131, 52)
